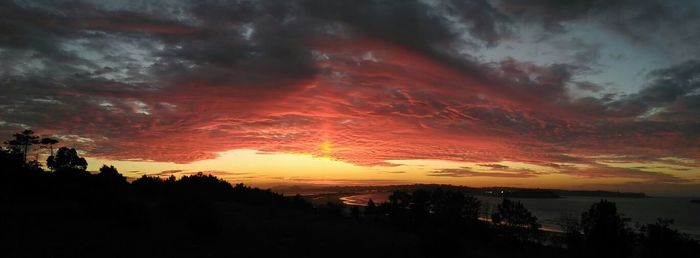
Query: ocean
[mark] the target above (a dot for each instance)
(686, 215)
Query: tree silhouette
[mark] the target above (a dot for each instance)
(659, 240)
(371, 209)
(154, 186)
(110, 173)
(50, 142)
(67, 159)
(419, 206)
(514, 214)
(397, 207)
(11, 159)
(605, 231)
(23, 140)
(453, 207)
(332, 209)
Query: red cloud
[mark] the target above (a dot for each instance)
(372, 101)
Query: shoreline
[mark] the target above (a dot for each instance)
(547, 222)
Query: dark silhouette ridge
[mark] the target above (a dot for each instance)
(524, 193)
(507, 192)
(71, 212)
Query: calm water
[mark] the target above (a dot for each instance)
(686, 215)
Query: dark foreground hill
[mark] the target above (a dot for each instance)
(72, 213)
(77, 214)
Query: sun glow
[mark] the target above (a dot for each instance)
(326, 149)
(268, 169)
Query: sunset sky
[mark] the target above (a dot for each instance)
(554, 94)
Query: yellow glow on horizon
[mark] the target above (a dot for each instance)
(265, 169)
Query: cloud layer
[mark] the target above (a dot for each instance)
(372, 80)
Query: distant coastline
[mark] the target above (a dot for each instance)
(509, 192)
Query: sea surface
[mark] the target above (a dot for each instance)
(551, 212)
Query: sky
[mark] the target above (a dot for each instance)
(546, 94)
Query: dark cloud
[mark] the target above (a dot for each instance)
(467, 172)
(602, 171)
(588, 86)
(559, 166)
(494, 166)
(257, 48)
(167, 173)
(485, 22)
(672, 94)
(407, 22)
(552, 13)
(44, 27)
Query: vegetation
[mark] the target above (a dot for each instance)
(514, 214)
(70, 212)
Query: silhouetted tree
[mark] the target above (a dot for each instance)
(11, 160)
(454, 207)
(397, 206)
(298, 202)
(448, 212)
(400, 199)
(605, 231)
(154, 186)
(514, 214)
(419, 206)
(371, 209)
(573, 238)
(111, 174)
(23, 140)
(333, 209)
(67, 159)
(50, 142)
(659, 240)
(203, 187)
(51, 163)
(33, 166)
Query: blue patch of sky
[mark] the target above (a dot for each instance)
(620, 65)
